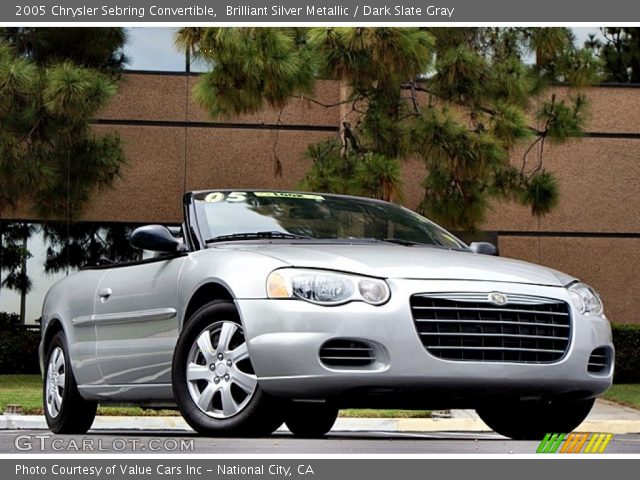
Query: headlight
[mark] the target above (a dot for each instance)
(585, 299)
(326, 288)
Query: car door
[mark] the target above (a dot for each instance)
(136, 321)
(76, 293)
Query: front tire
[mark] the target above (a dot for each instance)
(310, 420)
(214, 383)
(64, 408)
(533, 420)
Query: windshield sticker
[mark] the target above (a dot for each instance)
(232, 197)
(302, 196)
(237, 197)
(214, 197)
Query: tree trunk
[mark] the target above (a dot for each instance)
(1, 259)
(23, 291)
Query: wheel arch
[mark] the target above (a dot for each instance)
(204, 294)
(53, 327)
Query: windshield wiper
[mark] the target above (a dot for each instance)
(407, 243)
(400, 241)
(255, 236)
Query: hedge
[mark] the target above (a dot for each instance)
(19, 349)
(626, 339)
(18, 346)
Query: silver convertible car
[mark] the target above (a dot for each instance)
(271, 307)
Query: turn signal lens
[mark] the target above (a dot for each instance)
(277, 287)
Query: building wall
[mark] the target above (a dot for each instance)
(173, 146)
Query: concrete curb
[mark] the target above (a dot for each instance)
(177, 424)
(37, 422)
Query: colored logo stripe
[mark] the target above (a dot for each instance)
(580, 443)
(550, 443)
(574, 443)
(598, 442)
(570, 443)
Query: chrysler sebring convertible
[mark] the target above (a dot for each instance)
(272, 307)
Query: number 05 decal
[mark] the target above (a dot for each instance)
(237, 197)
(215, 197)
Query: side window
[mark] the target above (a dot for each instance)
(87, 244)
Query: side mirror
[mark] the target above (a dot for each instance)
(484, 248)
(156, 238)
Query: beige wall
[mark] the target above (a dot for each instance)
(594, 233)
(599, 180)
(173, 146)
(163, 97)
(611, 265)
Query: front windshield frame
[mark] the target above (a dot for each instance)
(203, 222)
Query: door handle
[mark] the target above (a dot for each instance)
(104, 293)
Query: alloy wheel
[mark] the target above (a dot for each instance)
(56, 372)
(220, 377)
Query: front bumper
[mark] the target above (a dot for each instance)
(285, 336)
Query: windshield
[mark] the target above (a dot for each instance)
(251, 215)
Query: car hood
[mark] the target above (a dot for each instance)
(397, 261)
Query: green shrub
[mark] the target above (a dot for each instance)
(18, 346)
(626, 339)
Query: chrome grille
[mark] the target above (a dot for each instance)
(468, 327)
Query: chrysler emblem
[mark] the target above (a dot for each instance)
(498, 298)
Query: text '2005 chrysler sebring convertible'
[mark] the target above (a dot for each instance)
(269, 307)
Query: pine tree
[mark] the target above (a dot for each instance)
(619, 50)
(53, 81)
(459, 98)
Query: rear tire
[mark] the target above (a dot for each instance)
(214, 383)
(533, 420)
(64, 408)
(310, 420)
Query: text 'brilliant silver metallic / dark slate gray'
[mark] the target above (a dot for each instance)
(343, 11)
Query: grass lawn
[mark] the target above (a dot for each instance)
(625, 393)
(26, 391)
(375, 413)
